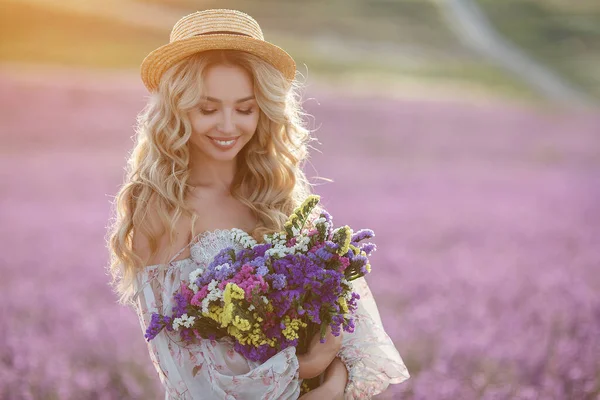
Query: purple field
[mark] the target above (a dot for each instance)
(487, 220)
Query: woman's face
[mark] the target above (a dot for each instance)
(227, 115)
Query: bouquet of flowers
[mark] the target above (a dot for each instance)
(275, 294)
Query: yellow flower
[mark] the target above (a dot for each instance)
(344, 233)
(292, 327)
(241, 324)
(227, 315)
(214, 312)
(233, 291)
(233, 331)
(343, 304)
(304, 387)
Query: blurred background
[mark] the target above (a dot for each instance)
(472, 127)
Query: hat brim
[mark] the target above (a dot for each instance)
(161, 59)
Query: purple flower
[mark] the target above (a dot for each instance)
(262, 270)
(349, 325)
(224, 272)
(259, 249)
(260, 353)
(278, 281)
(324, 254)
(361, 234)
(157, 323)
(180, 306)
(352, 303)
(368, 248)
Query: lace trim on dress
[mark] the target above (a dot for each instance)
(208, 244)
(210, 239)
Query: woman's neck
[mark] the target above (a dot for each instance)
(211, 174)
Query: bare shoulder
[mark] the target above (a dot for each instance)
(154, 231)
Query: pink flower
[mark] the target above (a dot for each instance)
(345, 261)
(186, 291)
(198, 297)
(316, 247)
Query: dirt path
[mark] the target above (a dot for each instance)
(471, 24)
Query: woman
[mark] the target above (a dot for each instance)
(219, 146)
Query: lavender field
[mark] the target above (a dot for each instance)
(487, 219)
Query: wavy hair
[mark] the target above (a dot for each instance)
(269, 177)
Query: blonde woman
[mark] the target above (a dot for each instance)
(219, 146)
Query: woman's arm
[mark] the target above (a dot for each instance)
(319, 355)
(372, 360)
(334, 384)
(336, 378)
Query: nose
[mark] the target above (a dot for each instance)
(227, 125)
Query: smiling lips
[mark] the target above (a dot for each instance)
(224, 143)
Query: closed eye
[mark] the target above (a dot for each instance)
(246, 112)
(207, 112)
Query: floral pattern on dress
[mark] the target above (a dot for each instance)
(372, 360)
(212, 369)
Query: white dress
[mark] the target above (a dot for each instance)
(211, 369)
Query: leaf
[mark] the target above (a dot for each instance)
(323, 330)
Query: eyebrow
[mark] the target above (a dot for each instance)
(208, 98)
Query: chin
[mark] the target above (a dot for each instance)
(229, 156)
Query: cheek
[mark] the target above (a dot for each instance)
(201, 125)
(250, 124)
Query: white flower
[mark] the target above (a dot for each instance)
(194, 275)
(184, 320)
(302, 243)
(264, 299)
(279, 251)
(205, 303)
(242, 237)
(319, 220)
(212, 285)
(251, 307)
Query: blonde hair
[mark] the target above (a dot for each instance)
(269, 177)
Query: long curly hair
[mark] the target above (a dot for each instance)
(269, 177)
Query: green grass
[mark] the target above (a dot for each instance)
(398, 21)
(461, 72)
(57, 35)
(404, 25)
(563, 35)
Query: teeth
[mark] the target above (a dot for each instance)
(227, 143)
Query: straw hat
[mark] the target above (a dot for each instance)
(212, 30)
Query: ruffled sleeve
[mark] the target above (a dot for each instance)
(209, 369)
(372, 360)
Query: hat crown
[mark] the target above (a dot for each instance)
(215, 22)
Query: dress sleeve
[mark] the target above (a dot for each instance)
(372, 360)
(209, 368)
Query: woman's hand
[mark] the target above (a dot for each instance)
(332, 343)
(334, 384)
(319, 355)
(336, 379)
